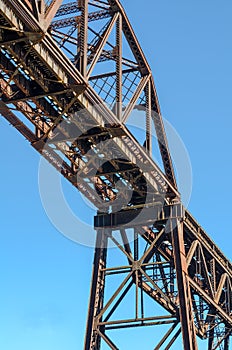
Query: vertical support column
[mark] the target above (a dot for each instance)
(227, 343)
(148, 118)
(83, 38)
(119, 67)
(211, 338)
(186, 309)
(92, 338)
(38, 8)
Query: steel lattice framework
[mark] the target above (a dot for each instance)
(71, 73)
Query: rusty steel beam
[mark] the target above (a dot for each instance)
(83, 38)
(145, 69)
(92, 338)
(101, 44)
(181, 268)
(74, 21)
(66, 9)
(119, 69)
(50, 12)
(186, 309)
(193, 287)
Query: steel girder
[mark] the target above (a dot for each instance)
(77, 88)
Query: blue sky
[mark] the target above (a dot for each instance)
(44, 276)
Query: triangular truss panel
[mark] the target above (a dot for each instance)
(71, 75)
(99, 40)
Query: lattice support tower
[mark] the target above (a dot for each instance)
(71, 75)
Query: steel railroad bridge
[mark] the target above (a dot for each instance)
(71, 74)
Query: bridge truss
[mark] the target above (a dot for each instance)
(71, 73)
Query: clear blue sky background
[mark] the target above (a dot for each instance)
(44, 276)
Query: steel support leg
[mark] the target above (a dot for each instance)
(186, 310)
(227, 343)
(211, 339)
(92, 338)
(148, 118)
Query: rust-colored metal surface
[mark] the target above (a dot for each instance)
(64, 67)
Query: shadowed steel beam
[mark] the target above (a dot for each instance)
(227, 341)
(81, 88)
(38, 8)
